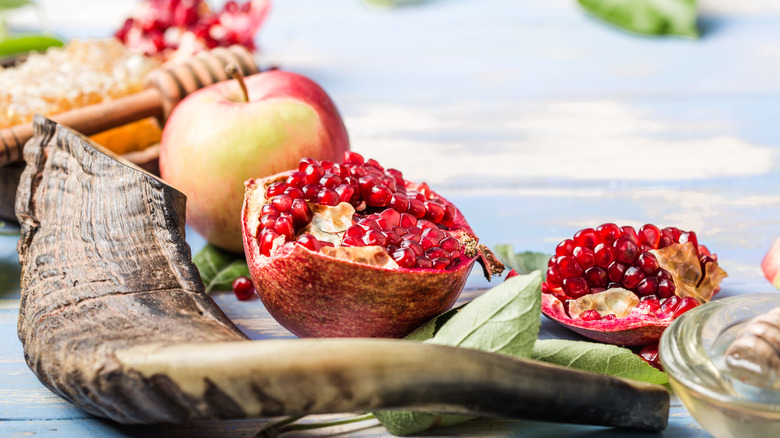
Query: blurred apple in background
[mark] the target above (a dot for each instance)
(771, 264)
(214, 140)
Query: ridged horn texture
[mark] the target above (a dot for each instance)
(114, 319)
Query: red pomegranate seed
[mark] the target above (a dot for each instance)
(449, 215)
(649, 306)
(345, 192)
(553, 278)
(405, 257)
(630, 233)
(243, 288)
(267, 237)
(407, 220)
(650, 354)
(689, 236)
(392, 238)
(268, 220)
(666, 288)
(615, 272)
(327, 165)
(609, 232)
(310, 192)
(415, 230)
(626, 251)
(380, 196)
(596, 276)
(590, 315)
(632, 277)
(269, 209)
(685, 305)
(669, 304)
(284, 226)
(330, 180)
(603, 255)
(416, 208)
(399, 202)
(425, 224)
(297, 179)
(301, 213)
(304, 163)
(293, 192)
(353, 158)
(647, 262)
(373, 163)
(647, 286)
(584, 256)
(428, 242)
(309, 241)
(397, 175)
(424, 262)
(275, 189)
(355, 231)
(587, 238)
(374, 237)
(352, 241)
(649, 235)
(282, 202)
(340, 170)
(433, 232)
(441, 263)
(568, 267)
(449, 244)
(328, 197)
(434, 211)
(575, 287)
(313, 173)
(436, 252)
(564, 248)
(414, 246)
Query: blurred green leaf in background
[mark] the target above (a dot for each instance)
(11, 44)
(647, 17)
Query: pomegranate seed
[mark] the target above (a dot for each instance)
(433, 232)
(374, 237)
(397, 175)
(590, 315)
(310, 192)
(587, 238)
(609, 317)
(669, 304)
(301, 213)
(268, 220)
(243, 288)
(309, 241)
(436, 252)
(353, 158)
(352, 241)
(603, 255)
(650, 354)
(330, 180)
(575, 287)
(647, 262)
(434, 211)
(632, 277)
(355, 231)
(649, 235)
(373, 163)
(564, 248)
(339, 170)
(267, 237)
(392, 238)
(393, 217)
(297, 179)
(399, 202)
(424, 262)
(584, 256)
(648, 286)
(553, 278)
(416, 208)
(405, 257)
(275, 189)
(407, 220)
(268, 209)
(366, 183)
(450, 244)
(424, 224)
(450, 212)
(284, 226)
(615, 272)
(304, 163)
(428, 242)
(568, 267)
(596, 276)
(380, 196)
(345, 192)
(689, 236)
(609, 232)
(415, 230)
(649, 306)
(282, 202)
(441, 263)
(327, 165)
(666, 288)
(369, 224)
(626, 250)
(630, 233)
(328, 197)
(313, 173)
(294, 192)
(685, 305)
(414, 246)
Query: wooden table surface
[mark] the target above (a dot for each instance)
(535, 119)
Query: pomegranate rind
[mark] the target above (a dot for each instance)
(314, 295)
(770, 266)
(633, 330)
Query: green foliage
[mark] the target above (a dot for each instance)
(219, 268)
(647, 17)
(522, 262)
(27, 43)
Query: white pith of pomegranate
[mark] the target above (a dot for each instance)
(353, 249)
(163, 28)
(616, 285)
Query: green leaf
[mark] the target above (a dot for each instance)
(522, 262)
(13, 4)
(504, 319)
(647, 17)
(28, 43)
(219, 268)
(597, 358)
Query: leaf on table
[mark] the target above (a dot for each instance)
(13, 4)
(504, 319)
(522, 262)
(597, 358)
(219, 268)
(28, 43)
(648, 17)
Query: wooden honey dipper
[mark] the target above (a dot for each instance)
(165, 88)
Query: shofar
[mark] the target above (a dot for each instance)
(114, 319)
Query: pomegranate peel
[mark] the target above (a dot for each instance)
(619, 286)
(344, 269)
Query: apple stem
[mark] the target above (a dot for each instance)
(234, 72)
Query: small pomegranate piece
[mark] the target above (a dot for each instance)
(650, 355)
(242, 287)
(638, 280)
(338, 248)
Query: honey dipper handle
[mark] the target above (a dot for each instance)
(166, 87)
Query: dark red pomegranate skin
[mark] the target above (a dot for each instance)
(315, 295)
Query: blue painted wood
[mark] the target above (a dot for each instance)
(534, 119)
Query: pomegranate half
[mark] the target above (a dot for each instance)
(619, 286)
(352, 249)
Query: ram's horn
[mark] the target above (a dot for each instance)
(114, 318)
